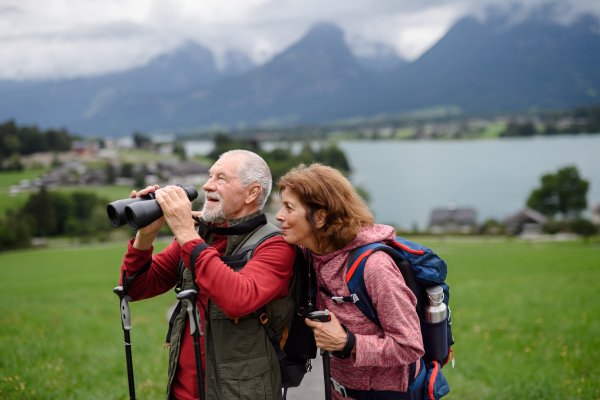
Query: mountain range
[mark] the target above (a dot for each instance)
(479, 66)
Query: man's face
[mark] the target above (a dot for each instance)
(223, 193)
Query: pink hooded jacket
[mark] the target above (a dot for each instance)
(383, 356)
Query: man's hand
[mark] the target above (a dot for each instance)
(177, 212)
(330, 335)
(145, 236)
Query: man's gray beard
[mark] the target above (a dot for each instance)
(214, 214)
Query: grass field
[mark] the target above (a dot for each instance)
(9, 178)
(526, 319)
(110, 193)
(492, 131)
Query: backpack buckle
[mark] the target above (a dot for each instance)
(353, 298)
(264, 318)
(338, 388)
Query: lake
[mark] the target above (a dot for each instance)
(407, 179)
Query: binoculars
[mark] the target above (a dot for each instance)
(140, 211)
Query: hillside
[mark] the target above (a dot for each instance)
(491, 65)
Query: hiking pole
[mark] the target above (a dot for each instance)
(126, 323)
(189, 297)
(322, 316)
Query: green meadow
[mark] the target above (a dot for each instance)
(109, 192)
(526, 320)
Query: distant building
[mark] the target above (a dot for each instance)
(85, 149)
(453, 220)
(525, 221)
(126, 143)
(97, 176)
(108, 154)
(68, 173)
(186, 173)
(165, 149)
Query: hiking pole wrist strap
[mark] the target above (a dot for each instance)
(350, 343)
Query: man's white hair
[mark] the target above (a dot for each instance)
(253, 169)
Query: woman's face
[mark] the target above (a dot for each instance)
(295, 227)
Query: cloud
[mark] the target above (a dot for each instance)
(69, 38)
(9, 10)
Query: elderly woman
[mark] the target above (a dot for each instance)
(322, 212)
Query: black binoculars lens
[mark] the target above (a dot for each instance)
(141, 211)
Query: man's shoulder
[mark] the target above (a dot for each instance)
(278, 245)
(279, 242)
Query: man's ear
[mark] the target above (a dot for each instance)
(252, 194)
(320, 216)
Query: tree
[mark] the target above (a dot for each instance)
(41, 207)
(110, 172)
(561, 193)
(179, 150)
(58, 140)
(127, 170)
(32, 140)
(10, 145)
(140, 180)
(140, 140)
(583, 227)
(14, 163)
(223, 142)
(83, 204)
(362, 192)
(334, 157)
(14, 232)
(517, 129)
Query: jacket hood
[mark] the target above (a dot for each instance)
(367, 235)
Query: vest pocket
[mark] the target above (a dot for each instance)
(248, 379)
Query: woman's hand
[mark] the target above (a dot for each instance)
(145, 236)
(330, 335)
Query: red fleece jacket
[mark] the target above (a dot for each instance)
(267, 276)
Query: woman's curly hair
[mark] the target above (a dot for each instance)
(324, 188)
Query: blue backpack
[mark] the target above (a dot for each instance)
(420, 268)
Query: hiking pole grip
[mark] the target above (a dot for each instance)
(124, 303)
(188, 297)
(126, 324)
(323, 316)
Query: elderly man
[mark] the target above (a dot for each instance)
(238, 359)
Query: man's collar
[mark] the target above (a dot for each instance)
(242, 225)
(236, 221)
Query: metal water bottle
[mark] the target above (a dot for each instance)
(435, 311)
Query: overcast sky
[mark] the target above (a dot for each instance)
(68, 38)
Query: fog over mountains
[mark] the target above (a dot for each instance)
(478, 66)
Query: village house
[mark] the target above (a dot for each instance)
(524, 222)
(453, 220)
(185, 173)
(85, 149)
